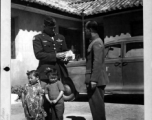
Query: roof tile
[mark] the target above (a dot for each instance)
(90, 7)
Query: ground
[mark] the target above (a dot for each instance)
(79, 110)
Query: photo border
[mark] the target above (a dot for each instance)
(147, 10)
(5, 61)
(5, 79)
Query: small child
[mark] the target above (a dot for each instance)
(32, 99)
(54, 94)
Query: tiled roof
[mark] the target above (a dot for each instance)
(89, 7)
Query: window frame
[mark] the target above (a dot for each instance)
(134, 41)
(116, 43)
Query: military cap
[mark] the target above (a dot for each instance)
(49, 21)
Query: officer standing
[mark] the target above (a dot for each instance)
(48, 49)
(96, 76)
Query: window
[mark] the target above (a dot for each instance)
(13, 55)
(134, 49)
(113, 51)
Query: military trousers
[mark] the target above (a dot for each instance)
(96, 102)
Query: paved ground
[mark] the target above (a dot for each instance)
(81, 111)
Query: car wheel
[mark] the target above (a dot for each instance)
(70, 92)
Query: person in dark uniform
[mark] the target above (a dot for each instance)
(49, 48)
(96, 77)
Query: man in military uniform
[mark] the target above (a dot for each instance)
(96, 77)
(49, 48)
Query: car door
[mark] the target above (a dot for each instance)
(113, 60)
(132, 67)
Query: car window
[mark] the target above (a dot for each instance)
(113, 51)
(134, 49)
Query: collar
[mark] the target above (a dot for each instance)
(94, 36)
(33, 84)
(54, 81)
(46, 35)
(97, 39)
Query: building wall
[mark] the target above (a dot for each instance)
(28, 24)
(118, 24)
(129, 22)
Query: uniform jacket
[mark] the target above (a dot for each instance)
(95, 66)
(45, 49)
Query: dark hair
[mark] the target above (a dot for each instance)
(49, 71)
(92, 25)
(52, 71)
(49, 21)
(33, 72)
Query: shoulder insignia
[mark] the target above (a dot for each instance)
(59, 40)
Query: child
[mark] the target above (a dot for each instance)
(32, 98)
(54, 94)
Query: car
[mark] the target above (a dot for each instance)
(124, 67)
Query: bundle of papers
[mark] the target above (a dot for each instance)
(69, 55)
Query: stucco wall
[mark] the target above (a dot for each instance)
(27, 25)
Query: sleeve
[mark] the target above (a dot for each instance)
(46, 90)
(64, 46)
(25, 89)
(39, 52)
(60, 86)
(98, 50)
(40, 90)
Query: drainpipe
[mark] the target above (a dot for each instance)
(83, 34)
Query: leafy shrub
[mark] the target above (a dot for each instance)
(17, 90)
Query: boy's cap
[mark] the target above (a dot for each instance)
(49, 21)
